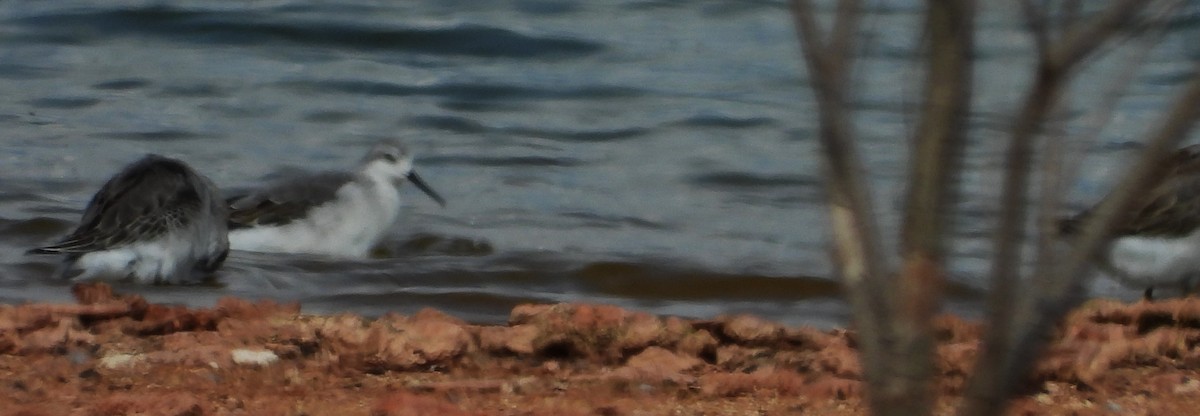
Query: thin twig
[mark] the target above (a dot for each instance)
(1083, 38)
(1068, 13)
(858, 254)
(1006, 258)
(1036, 20)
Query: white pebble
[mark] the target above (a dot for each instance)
(253, 357)
(119, 360)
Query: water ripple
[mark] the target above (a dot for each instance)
(153, 135)
(782, 190)
(425, 244)
(707, 121)
(257, 28)
(332, 117)
(499, 161)
(193, 91)
(465, 125)
(615, 221)
(9, 70)
(121, 84)
(751, 180)
(461, 91)
(63, 103)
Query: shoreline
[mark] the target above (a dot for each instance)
(114, 354)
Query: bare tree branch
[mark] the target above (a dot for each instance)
(936, 161)
(1068, 14)
(1036, 21)
(842, 37)
(805, 21)
(1006, 258)
(1058, 167)
(895, 337)
(1054, 68)
(1083, 38)
(939, 136)
(858, 254)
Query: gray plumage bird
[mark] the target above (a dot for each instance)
(156, 221)
(1156, 244)
(342, 214)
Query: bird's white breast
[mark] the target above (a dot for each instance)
(349, 225)
(1149, 261)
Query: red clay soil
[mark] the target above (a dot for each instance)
(119, 355)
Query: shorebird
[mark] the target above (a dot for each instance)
(157, 221)
(341, 214)
(1157, 242)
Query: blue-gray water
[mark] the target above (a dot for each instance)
(652, 154)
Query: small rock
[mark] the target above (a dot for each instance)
(242, 309)
(114, 361)
(1189, 386)
(525, 313)
(640, 330)
(253, 357)
(193, 356)
(398, 344)
(516, 339)
(92, 293)
(736, 357)
(346, 331)
(698, 343)
(430, 314)
(655, 365)
(64, 332)
(747, 329)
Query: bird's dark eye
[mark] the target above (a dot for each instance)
(389, 157)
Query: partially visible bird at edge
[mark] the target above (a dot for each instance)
(156, 221)
(1156, 244)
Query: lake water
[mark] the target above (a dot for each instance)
(658, 155)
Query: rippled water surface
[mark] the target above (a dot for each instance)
(651, 154)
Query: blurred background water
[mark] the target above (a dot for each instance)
(658, 155)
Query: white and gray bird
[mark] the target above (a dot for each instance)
(156, 221)
(340, 214)
(1156, 244)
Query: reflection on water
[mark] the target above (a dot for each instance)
(655, 155)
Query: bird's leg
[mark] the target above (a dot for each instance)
(1148, 295)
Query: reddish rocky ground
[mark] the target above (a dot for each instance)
(118, 355)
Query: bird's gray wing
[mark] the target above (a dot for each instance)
(1171, 209)
(285, 201)
(145, 200)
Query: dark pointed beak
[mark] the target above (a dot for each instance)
(424, 187)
